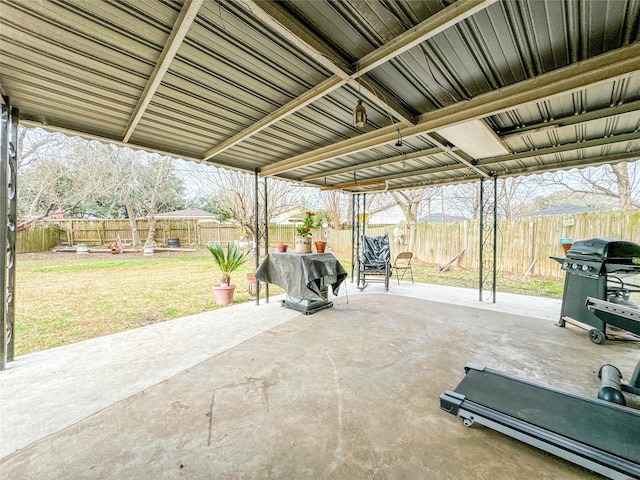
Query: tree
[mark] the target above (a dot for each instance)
(612, 186)
(232, 194)
(160, 193)
(462, 199)
(90, 178)
(337, 206)
(61, 176)
(409, 201)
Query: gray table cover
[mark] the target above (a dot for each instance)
(300, 274)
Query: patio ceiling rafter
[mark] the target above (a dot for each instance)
(439, 22)
(485, 165)
(281, 21)
(568, 120)
(558, 122)
(564, 165)
(372, 164)
(603, 68)
(188, 14)
(270, 85)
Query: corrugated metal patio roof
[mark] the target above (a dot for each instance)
(272, 86)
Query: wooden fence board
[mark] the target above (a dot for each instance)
(520, 241)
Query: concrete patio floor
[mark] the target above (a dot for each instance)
(255, 392)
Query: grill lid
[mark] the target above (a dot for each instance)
(605, 249)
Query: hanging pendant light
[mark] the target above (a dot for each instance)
(359, 115)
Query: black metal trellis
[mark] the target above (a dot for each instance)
(358, 225)
(488, 235)
(261, 226)
(8, 212)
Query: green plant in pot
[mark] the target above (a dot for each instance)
(228, 261)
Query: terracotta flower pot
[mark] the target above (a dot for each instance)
(252, 284)
(320, 246)
(224, 294)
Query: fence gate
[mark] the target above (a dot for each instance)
(8, 213)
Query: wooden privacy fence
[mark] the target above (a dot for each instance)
(100, 232)
(37, 239)
(521, 242)
(70, 232)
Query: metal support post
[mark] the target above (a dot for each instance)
(488, 237)
(8, 213)
(256, 226)
(353, 234)
(358, 230)
(261, 226)
(266, 228)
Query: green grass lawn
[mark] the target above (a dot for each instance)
(63, 298)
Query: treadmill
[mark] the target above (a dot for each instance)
(596, 434)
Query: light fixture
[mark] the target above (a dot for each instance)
(399, 142)
(359, 115)
(475, 138)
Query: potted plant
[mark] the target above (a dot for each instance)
(304, 233)
(228, 262)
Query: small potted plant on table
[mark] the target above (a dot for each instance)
(228, 262)
(304, 233)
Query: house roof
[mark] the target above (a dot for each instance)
(191, 212)
(454, 91)
(563, 209)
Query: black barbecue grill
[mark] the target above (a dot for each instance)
(596, 268)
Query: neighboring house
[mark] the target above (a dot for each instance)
(441, 218)
(391, 215)
(292, 215)
(192, 213)
(563, 209)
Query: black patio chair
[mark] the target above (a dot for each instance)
(374, 265)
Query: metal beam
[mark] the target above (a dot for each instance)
(577, 163)
(437, 23)
(353, 185)
(560, 165)
(302, 101)
(182, 25)
(281, 21)
(601, 113)
(618, 63)
(360, 143)
(504, 135)
(373, 164)
(488, 165)
(603, 68)
(396, 176)
(567, 147)
(315, 48)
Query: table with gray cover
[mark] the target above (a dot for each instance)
(301, 275)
